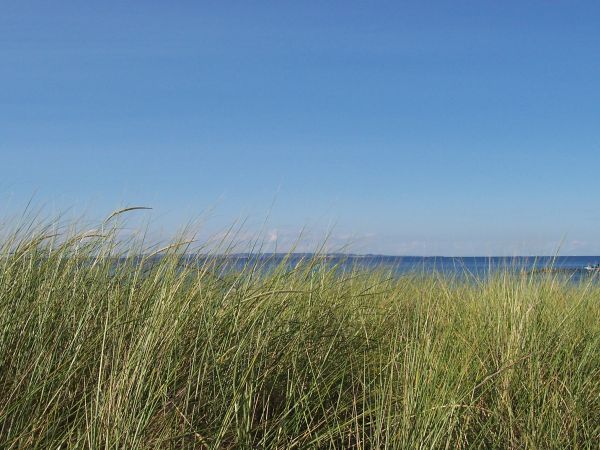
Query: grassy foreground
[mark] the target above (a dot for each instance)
(149, 354)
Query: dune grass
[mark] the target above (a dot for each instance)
(100, 352)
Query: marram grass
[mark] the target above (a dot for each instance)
(102, 348)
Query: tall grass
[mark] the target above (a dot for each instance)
(101, 348)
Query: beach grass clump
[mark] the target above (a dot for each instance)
(106, 345)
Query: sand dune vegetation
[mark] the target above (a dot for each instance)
(113, 344)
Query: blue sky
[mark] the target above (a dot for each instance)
(448, 128)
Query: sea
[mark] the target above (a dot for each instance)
(571, 267)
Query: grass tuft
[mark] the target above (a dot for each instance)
(103, 348)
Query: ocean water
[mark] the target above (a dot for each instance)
(572, 267)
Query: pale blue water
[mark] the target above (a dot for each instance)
(572, 267)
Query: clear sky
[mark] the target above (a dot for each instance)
(448, 127)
